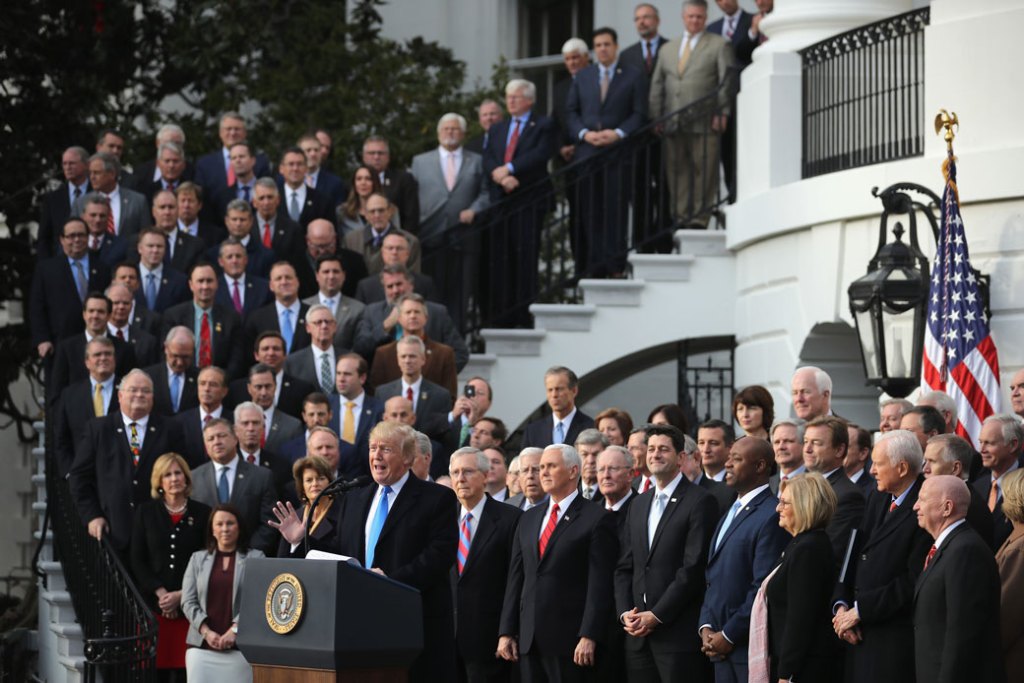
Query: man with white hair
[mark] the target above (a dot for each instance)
(576, 541)
(1001, 439)
(891, 411)
(575, 55)
(531, 492)
(1017, 393)
(148, 172)
(812, 393)
(874, 605)
(943, 403)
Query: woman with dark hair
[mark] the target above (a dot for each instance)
(210, 600)
(791, 636)
(670, 414)
(754, 410)
(615, 424)
(167, 530)
(352, 214)
(312, 475)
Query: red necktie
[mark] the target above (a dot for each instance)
(236, 298)
(408, 394)
(510, 150)
(231, 175)
(251, 459)
(548, 530)
(893, 506)
(931, 554)
(205, 349)
(650, 55)
(110, 222)
(647, 485)
(120, 334)
(267, 239)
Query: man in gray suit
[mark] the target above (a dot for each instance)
(130, 209)
(229, 479)
(262, 387)
(315, 363)
(330, 278)
(452, 191)
(688, 69)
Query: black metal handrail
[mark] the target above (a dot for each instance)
(863, 95)
(621, 192)
(119, 628)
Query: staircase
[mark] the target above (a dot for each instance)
(671, 297)
(59, 640)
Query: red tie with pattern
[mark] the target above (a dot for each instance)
(548, 530)
(510, 150)
(408, 394)
(205, 347)
(931, 554)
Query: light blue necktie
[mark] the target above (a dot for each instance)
(728, 520)
(376, 526)
(223, 494)
(293, 207)
(287, 330)
(559, 434)
(176, 391)
(81, 282)
(151, 291)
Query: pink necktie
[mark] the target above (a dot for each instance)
(449, 172)
(236, 298)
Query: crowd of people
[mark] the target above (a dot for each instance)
(222, 339)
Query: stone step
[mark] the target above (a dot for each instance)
(61, 609)
(701, 242)
(54, 575)
(479, 365)
(69, 640)
(563, 317)
(75, 668)
(612, 292)
(662, 267)
(513, 342)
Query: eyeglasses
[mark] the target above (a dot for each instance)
(784, 503)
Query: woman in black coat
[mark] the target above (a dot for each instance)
(167, 530)
(312, 474)
(801, 642)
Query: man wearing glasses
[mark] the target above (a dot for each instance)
(369, 240)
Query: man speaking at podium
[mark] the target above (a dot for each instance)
(401, 527)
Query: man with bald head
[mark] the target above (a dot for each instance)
(812, 393)
(321, 241)
(174, 380)
(956, 599)
(952, 454)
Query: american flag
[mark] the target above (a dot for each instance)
(960, 357)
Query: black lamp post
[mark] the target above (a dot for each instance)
(890, 302)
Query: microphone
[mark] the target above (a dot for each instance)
(339, 485)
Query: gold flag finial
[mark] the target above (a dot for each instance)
(947, 120)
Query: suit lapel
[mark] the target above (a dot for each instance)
(406, 500)
(484, 532)
(568, 518)
(926, 573)
(241, 482)
(670, 508)
(742, 515)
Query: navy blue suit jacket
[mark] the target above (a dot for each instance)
(624, 107)
(537, 144)
(749, 550)
(741, 42)
(260, 258)
(173, 290)
(257, 294)
(212, 176)
(55, 311)
(355, 458)
(332, 187)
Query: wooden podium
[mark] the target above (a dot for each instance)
(327, 621)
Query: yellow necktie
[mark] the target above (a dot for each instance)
(348, 431)
(685, 56)
(97, 400)
(993, 496)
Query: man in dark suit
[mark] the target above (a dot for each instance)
(956, 598)
(745, 546)
(190, 206)
(874, 604)
(289, 391)
(952, 454)
(299, 202)
(286, 314)
(59, 287)
(213, 170)
(274, 228)
(379, 324)
(107, 248)
(1001, 438)
(691, 466)
(576, 56)
(369, 241)
(172, 170)
(239, 220)
(242, 188)
(226, 478)
(825, 442)
(565, 422)
(353, 413)
(160, 285)
(858, 459)
(183, 250)
(174, 380)
(486, 534)
(94, 396)
(488, 113)
(607, 102)
(217, 328)
(516, 161)
(439, 365)
(589, 444)
(316, 412)
(659, 580)
(236, 290)
(211, 388)
(570, 567)
(322, 240)
(149, 171)
(431, 402)
(249, 423)
(113, 462)
(399, 186)
(322, 180)
(403, 528)
(145, 347)
(279, 428)
(395, 251)
(330, 278)
(130, 210)
(532, 493)
(643, 54)
(315, 364)
(56, 204)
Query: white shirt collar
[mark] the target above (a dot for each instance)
(670, 488)
(751, 495)
(946, 532)
(618, 505)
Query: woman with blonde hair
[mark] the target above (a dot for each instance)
(166, 531)
(1010, 560)
(791, 635)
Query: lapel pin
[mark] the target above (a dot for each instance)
(423, 395)
(120, 431)
(672, 500)
(217, 328)
(241, 476)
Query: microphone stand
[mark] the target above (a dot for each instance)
(339, 485)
